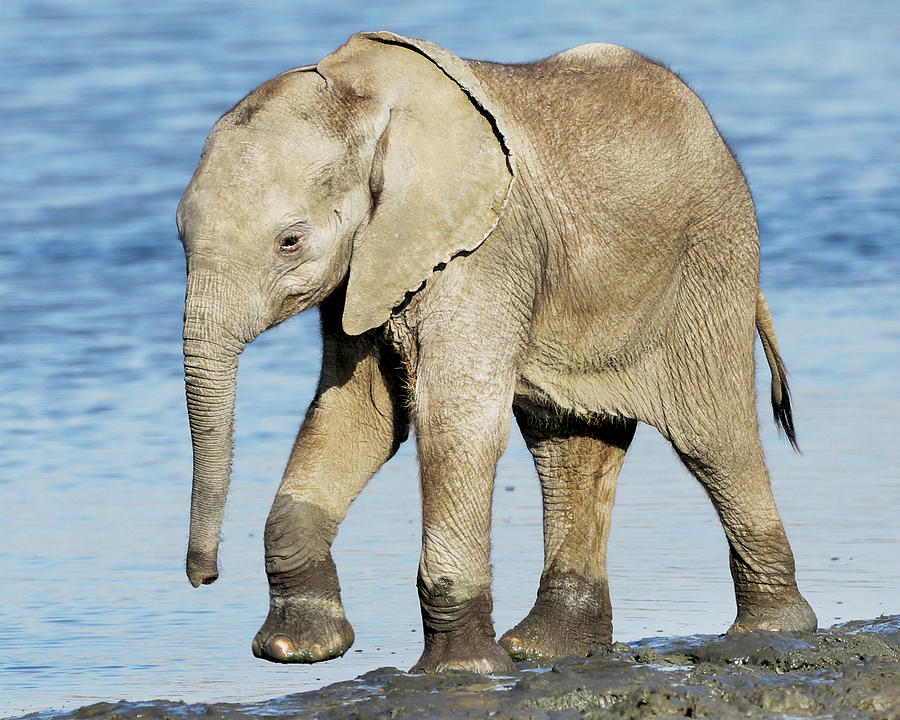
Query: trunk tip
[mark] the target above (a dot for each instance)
(202, 568)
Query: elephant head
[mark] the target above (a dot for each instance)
(359, 175)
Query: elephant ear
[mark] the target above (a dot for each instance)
(442, 169)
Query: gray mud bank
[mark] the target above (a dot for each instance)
(849, 671)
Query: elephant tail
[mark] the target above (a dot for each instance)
(781, 394)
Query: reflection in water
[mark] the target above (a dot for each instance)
(102, 127)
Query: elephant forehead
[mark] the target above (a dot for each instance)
(247, 160)
(251, 182)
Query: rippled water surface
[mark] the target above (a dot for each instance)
(103, 110)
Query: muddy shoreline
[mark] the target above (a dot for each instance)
(851, 670)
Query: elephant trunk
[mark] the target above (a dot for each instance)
(211, 353)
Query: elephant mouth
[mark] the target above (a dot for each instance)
(290, 306)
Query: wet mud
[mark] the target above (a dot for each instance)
(849, 671)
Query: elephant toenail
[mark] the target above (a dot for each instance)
(282, 648)
(316, 652)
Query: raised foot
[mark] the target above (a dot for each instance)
(787, 618)
(298, 633)
(571, 616)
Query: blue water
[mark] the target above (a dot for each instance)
(103, 110)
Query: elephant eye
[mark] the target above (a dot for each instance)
(291, 243)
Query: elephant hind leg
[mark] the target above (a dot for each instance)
(578, 466)
(722, 450)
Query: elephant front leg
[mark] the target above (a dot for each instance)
(339, 447)
(460, 440)
(355, 424)
(578, 466)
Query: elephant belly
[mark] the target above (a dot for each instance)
(595, 346)
(601, 387)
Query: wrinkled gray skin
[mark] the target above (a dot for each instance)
(570, 240)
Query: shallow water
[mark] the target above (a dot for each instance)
(104, 110)
(851, 670)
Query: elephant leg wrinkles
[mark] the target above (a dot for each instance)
(717, 439)
(761, 561)
(578, 466)
(463, 396)
(306, 621)
(355, 425)
(454, 578)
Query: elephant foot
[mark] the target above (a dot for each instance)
(571, 616)
(459, 632)
(795, 616)
(299, 633)
(451, 651)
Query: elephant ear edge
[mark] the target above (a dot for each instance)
(446, 183)
(459, 71)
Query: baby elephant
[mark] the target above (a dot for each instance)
(570, 240)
